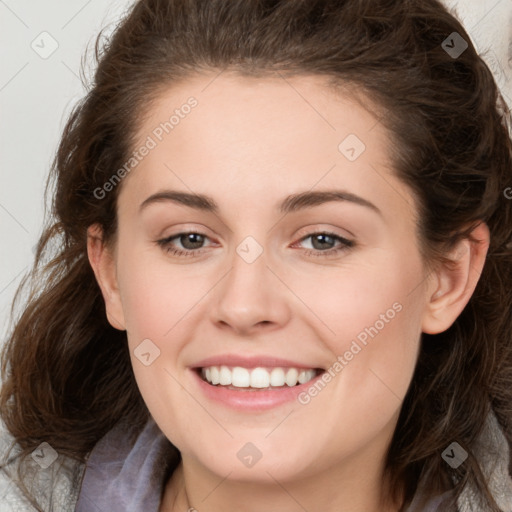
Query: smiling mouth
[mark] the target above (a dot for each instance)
(239, 378)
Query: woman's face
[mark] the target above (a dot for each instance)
(278, 276)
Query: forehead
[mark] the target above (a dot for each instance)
(261, 137)
(229, 107)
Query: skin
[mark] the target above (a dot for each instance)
(248, 144)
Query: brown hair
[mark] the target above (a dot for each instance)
(67, 372)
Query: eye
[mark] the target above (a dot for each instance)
(191, 242)
(326, 244)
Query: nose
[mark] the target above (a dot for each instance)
(250, 298)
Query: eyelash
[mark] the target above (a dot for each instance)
(346, 245)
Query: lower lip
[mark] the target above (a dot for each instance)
(250, 399)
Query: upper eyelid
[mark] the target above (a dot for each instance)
(324, 232)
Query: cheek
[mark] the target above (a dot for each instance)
(370, 321)
(375, 371)
(155, 304)
(362, 298)
(159, 303)
(381, 356)
(155, 296)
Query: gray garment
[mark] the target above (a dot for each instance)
(124, 474)
(55, 487)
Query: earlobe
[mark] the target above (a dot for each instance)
(103, 265)
(453, 284)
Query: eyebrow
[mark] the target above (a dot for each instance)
(291, 203)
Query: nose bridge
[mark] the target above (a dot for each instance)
(250, 294)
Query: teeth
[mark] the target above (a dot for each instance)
(214, 375)
(224, 376)
(240, 377)
(303, 376)
(259, 378)
(292, 376)
(277, 377)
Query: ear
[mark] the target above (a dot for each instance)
(453, 284)
(103, 265)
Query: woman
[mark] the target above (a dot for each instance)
(283, 277)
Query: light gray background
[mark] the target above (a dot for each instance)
(37, 94)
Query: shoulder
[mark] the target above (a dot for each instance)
(52, 479)
(492, 451)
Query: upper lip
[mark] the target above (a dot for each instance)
(250, 362)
